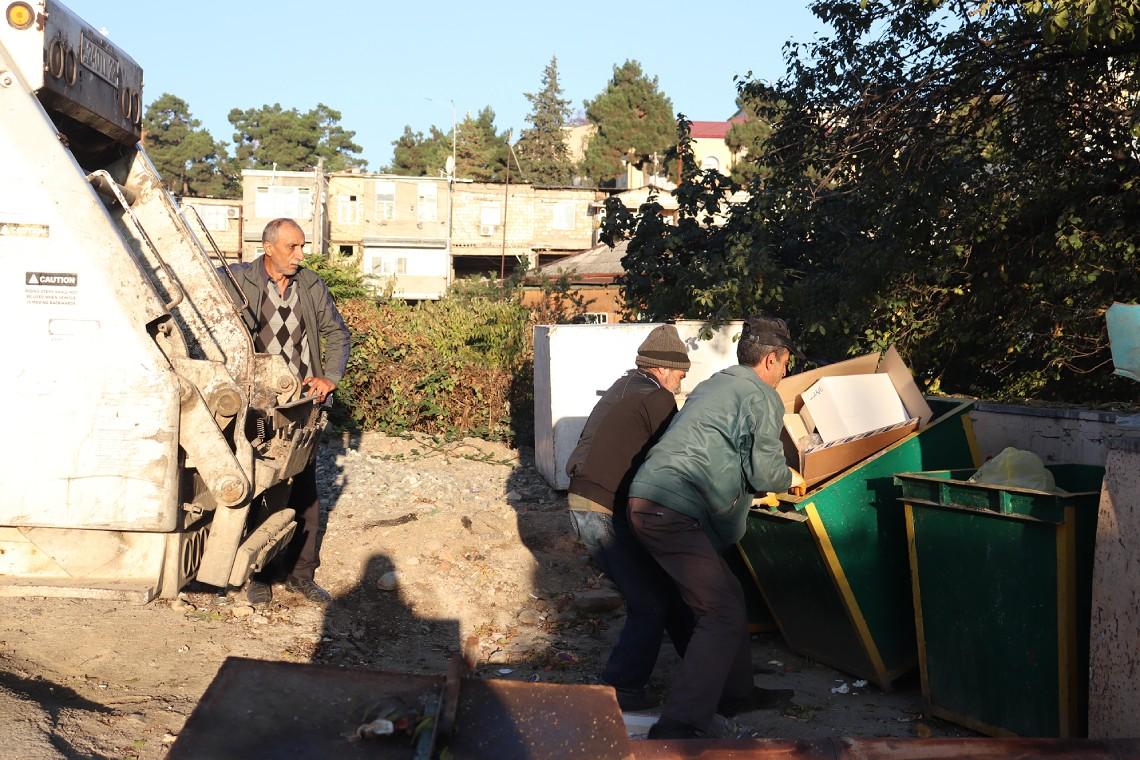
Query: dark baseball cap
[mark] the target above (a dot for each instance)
(769, 331)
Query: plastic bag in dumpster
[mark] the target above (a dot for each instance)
(1016, 468)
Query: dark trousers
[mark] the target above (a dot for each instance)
(652, 602)
(718, 661)
(302, 556)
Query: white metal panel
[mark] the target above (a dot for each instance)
(94, 427)
(574, 364)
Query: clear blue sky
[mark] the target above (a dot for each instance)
(378, 62)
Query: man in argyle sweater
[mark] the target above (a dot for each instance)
(291, 313)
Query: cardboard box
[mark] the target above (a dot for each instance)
(848, 405)
(819, 462)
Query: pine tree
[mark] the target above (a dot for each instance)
(542, 146)
(189, 160)
(417, 156)
(481, 152)
(631, 114)
(293, 140)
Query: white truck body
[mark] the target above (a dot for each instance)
(147, 429)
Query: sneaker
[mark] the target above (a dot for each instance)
(759, 699)
(258, 593)
(667, 728)
(635, 700)
(309, 589)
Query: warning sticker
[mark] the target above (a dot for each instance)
(52, 288)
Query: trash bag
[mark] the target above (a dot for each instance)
(1018, 469)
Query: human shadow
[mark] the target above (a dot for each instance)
(53, 698)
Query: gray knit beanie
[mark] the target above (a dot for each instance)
(663, 347)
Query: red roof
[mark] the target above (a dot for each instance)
(715, 130)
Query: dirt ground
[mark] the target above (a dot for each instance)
(426, 545)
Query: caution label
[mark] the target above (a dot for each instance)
(51, 288)
(65, 279)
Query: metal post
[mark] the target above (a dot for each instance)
(506, 198)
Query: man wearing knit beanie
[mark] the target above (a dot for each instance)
(625, 423)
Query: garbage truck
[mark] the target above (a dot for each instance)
(146, 433)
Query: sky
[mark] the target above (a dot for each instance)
(385, 65)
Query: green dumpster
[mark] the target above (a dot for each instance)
(832, 565)
(1002, 584)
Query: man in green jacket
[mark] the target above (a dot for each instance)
(689, 503)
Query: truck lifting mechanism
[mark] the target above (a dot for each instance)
(149, 432)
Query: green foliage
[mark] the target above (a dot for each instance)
(960, 184)
(631, 114)
(1082, 24)
(751, 136)
(696, 268)
(292, 140)
(417, 156)
(189, 160)
(446, 367)
(342, 276)
(542, 146)
(481, 152)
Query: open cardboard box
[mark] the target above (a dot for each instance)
(817, 463)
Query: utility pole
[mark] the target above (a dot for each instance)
(318, 237)
(451, 200)
(506, 198)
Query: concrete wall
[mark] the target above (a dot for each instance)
(534, 218)
(1069, 436)
(600, 299)
(222, 218)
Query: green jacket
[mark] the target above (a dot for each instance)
(318, 313)
(722, 447)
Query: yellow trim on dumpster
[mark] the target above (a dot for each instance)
(916, 595)
(1067, 625)
(971, 723)
(757, 627)
(972, 439)
(847, 594)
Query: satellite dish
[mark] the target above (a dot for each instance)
(449, 167)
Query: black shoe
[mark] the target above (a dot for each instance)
(258, 593)
(759, 699)
(667, 728)
(635, 700)
(309, 589)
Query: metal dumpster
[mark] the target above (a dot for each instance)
(1002, 585)
(832, 565)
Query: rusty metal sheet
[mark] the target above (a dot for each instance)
(282, 710)
(737, 749)
(888, 749)
(511, 719)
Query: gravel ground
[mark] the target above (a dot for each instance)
(428, 545)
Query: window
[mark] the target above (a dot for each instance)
(562, 215)
(215, 218)
(385, 201)
(710, 164)
(427, 201)
(281, 200)
(595, 318)
(490, 217)
(347, 209)
(387, 265)
(346, 250)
